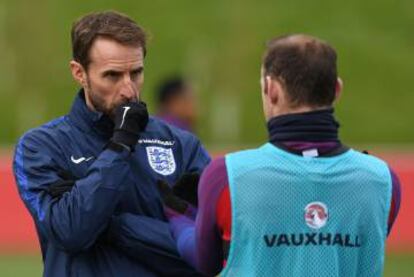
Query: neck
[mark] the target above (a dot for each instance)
(315, 125)
(277, 111)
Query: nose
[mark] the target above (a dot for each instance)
(128, 89)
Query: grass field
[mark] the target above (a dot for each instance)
(401, 265)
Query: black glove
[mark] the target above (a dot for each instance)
(183, 192)
(130, 119)
(169, 199)
(58, 188)
(187, 188)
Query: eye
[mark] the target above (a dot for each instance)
(113, 75)
(136, 73)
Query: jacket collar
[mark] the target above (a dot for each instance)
(87, 120)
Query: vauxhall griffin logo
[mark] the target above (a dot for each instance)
(316, 215)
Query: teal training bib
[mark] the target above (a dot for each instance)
(302, 216)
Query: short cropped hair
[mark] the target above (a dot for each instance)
(170, 88)
(306, 67)
(109, 24)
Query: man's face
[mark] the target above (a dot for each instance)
(115, 75)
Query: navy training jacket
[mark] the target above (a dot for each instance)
(111, 223)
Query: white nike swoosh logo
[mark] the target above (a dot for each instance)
(81, 159)
(123, 116)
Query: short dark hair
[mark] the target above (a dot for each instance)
(306, 67)
(170, 88)
(109, 24)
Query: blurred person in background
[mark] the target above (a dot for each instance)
(176, 103)
(303, 204)
(88, 178)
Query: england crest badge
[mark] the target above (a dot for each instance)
(161, 160)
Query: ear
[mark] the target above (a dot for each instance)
(272, 89)
(78, 73)
(338, 88)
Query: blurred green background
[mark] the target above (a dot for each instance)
(218, 45)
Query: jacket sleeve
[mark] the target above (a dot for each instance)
(195, 157)
(149, 241)
(74, 221)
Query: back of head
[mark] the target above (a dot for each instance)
(109, 24)
(306, 68)
(169, 89)
(177, 103)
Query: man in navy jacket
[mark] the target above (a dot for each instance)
(88, 178)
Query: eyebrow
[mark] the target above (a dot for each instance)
(119, 72)
(138, 69)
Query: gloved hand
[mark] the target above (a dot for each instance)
(187, 188)
(65, 184)
(182, 194)
(170, 200)
(130, 119)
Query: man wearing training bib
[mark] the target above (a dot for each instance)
(302, 204)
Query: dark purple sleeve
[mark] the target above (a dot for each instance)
(395, 200)
(200, 244)
(209, 256)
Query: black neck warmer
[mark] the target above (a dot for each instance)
(314, 126)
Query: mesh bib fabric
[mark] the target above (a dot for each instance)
(301, 216)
